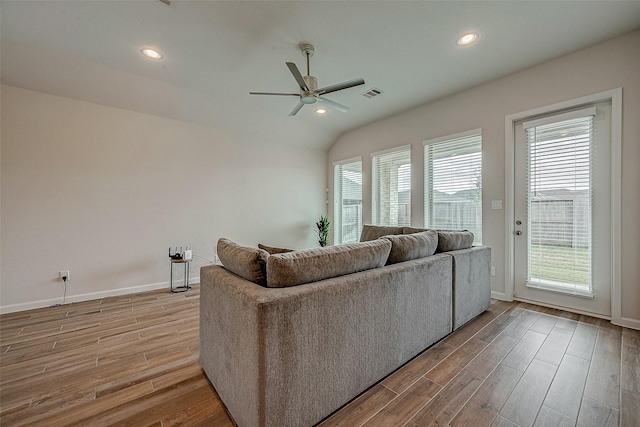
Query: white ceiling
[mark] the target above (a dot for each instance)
(215, 52)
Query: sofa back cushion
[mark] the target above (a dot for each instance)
(312, 265)
(248, 263)
(373, 232)
(273, 250)
(448, 240)
(454, 240)
(405, 247)
(412, 230)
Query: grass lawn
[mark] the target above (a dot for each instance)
(560, 264)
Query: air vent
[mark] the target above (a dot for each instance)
(167, 2)
(371, 93)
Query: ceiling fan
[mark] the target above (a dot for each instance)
(309, 92)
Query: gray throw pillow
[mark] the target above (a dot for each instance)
(406, 247)
(248, 263)
(273, 250)
(312, 265)
(373, 232)
(454, 240)
(412, 230)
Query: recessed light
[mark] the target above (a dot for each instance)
(466, 39)
(151, 53)
(321, 111)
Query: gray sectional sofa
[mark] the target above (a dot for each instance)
(287, 338)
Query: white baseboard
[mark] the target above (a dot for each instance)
(88, 297)
(628, 322)
(500, 295)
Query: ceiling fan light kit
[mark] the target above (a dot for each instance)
(309, 92)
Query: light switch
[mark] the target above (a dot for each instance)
(496, 204)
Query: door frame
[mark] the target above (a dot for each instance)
(615, 96)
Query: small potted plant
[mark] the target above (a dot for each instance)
(323, 230)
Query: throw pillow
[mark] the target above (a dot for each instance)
(273, 250)
(312, 265)
(373, 232)
(405, 247)
(454, 240)
(248, 263)
(412, 230)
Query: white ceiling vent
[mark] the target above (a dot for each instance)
(371, 93)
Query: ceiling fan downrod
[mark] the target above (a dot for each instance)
(307, 50)
(308, 97)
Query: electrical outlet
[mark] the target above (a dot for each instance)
(64, 273)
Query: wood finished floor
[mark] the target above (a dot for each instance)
(133, 361)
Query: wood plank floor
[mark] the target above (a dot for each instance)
(133, 361)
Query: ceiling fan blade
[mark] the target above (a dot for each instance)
(333, 104)
(296, 109)
(296, 74)
(274, 93)
(340, 86)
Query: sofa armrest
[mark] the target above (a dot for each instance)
(471, 283)
(230, 340)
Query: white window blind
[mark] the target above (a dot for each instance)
(559, 201)
(453, 183)
(391, 187)
(347, 201)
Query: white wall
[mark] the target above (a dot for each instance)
(612, 64)
(103, 192)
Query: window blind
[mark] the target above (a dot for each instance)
(453, 184)
(391, 187)
(347, 201)
(559, 202)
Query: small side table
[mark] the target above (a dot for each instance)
(185, 286)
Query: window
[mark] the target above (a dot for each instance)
(347, 202)
(391, 187)
(559, 200)
(453, 183)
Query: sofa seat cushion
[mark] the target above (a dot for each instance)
(312, 265)
(454, 240)
(405, 247)
(373, 232)
(248, 263)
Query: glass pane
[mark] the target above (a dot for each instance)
(453, 185)
(347, 202)
(391, 188)
(559, 204)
